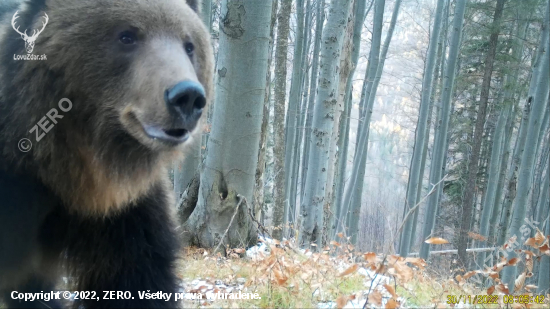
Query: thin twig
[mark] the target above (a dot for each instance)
(259, 225)
(411, 210)
(242, 198)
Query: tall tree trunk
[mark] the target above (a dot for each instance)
(492, 181)
(279, 196)
(292, 114)
(354, 190)
(259, 188)
(473, 165)
(335, 152)
(312, 87)
(517, 50)
(343, 143)
(437, 82)
(323, 121)
(206, 13)
(539, 100)
(421, 131)
(370, 76)
(440, 143)
(522, 135)
(512, 176)
(227, 180)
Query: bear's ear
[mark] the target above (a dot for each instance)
(194, 4)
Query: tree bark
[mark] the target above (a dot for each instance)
(416, 160)
(335, 152)
(292, 114)
(227, 180)
(354, 190)
(323, 121)
(312, 88)
(259, 188)
(370, 77)
(440, 144)
(343, 143)
(279, 196)
(539, 100)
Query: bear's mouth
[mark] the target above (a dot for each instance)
(171, 136)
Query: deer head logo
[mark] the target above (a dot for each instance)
(29, 40)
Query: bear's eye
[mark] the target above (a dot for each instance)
(189, 48)
(127, 38)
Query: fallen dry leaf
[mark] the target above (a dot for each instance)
(341, 301)
(469, 274)
(477, 236)
(370, 257)
(545, 249)
(539, 238)
(390, 290)
(418, 262)
(520, 281)
(335, 243)
(490, 290)
(529, 263)
(531, 242)
(403, 272)
(280, 278)
(349, 271)
(513, 261)
(392, 304)
(436, 241)
(501, 288)
(375, 298)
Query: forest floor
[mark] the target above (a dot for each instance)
(279, 275)
(285, 277)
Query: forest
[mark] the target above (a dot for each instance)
(385, 153)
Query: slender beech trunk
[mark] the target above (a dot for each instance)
(370, 76)
(259, 188)
(416, 160)
(335, 152)
(492, 181)
(438, 72)
(312, 87)
(279, 196)
(517, 50)
(323, 121)
(206, 13)
(370, 87)
(473, 165)
(304, 96)
(440, 144)
(292, 115)
(525, 174)
(522, 135)
(343, 143)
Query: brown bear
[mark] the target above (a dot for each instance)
(96, 98)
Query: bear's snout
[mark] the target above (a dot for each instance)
(185, 102)
(186, 98)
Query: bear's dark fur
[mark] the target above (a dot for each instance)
(92, 193)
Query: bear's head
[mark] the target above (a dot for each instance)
(137, 75)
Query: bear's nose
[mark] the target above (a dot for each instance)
(188, 99)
